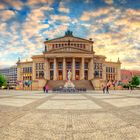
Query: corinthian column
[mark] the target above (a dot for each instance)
(34, 71)
(55, 70)
(64, 68)
(73, 68)
(46, 69)
(90, 69)
(82, 75)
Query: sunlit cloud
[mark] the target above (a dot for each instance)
(113, 26)
(108, 1)
(62, 8)
(6, 15)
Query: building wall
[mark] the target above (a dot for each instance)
(24, 73)
(10, 74)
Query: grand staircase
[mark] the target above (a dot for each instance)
(78, 84)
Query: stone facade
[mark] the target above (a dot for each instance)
(68, 53)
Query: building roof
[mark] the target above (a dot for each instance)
(69, 34)
(135, 72)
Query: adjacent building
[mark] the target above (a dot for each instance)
(68, 53)
(126, 75)
(10, 74)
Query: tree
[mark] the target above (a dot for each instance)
(3, 81)
(135, 81)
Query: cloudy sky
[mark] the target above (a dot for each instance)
(114, 25)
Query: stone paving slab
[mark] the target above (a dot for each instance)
(125, 133)
(133, 95)
(69, 104)
(19, 133)
(105, 96)
(123, 102)
(69, 96)
(29, 97)
(55, 122)
(136, 111)
(60, 122)
(15, 102)
(98, 121)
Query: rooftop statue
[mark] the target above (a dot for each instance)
(68, 33)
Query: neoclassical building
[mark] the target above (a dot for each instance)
(63, 54)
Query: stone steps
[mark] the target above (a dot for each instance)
(78, 83)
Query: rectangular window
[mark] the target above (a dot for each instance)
(51, 65)
(86, 65)
(59, 65)
(39, 74)
(77, 65)
(98, 70)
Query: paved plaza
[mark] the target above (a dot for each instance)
(33, 115)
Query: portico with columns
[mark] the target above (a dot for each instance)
(79, 66)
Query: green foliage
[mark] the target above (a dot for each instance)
(135, 81)
(3, 81)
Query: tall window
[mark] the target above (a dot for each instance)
(51, 65)
(68, 65)
(27, 73)
(77, 65)
(39, 70)
(98, 70)
(110, 73)
(86, 65)
(60, 65)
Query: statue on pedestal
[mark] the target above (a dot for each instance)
(69, 75)
(69, 83)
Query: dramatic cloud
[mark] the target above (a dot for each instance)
(108, 1)
(6, 15)
(62, 8)
(113, 25)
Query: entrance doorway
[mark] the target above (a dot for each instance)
(51, 75)
(60, 77)
(77, 75)
(86, 74)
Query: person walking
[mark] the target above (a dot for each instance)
(103, 86)
(107, 88)
(46, 88)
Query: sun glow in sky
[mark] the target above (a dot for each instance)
(114, 26)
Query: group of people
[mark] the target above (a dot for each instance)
(45, 89)
(106, 88)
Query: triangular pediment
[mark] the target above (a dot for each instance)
(69, 50)
(69, 38)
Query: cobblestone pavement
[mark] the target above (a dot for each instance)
(33, 115)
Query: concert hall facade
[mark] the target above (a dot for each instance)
(63, 54)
